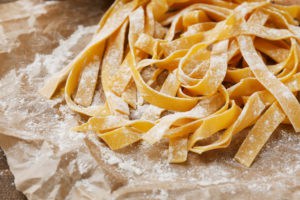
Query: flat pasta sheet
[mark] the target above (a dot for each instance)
(49, 161)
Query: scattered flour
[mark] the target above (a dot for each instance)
(159, 194)
(128, 165)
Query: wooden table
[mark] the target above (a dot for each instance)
(8, 190)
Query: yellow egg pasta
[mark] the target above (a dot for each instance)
(191, 73)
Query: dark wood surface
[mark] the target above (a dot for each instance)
(8, 189)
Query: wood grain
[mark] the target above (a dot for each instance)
(8, 190)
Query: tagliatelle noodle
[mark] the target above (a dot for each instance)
(251, 111)
(259, 134)
(283, 95)
(193, 73)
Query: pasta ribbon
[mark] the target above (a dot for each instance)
(193, 73)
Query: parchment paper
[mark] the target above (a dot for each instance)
(51, 162)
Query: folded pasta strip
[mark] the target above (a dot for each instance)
(194, 73)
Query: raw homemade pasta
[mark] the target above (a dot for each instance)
(192, 72)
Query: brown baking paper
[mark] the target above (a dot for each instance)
(49, 161)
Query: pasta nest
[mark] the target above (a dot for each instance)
(193, 73)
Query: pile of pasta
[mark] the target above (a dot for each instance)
(191, 73)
